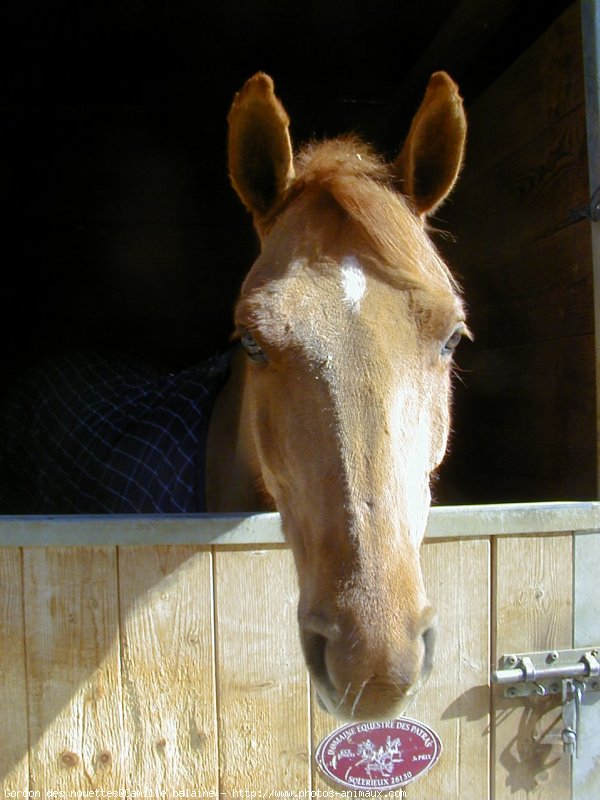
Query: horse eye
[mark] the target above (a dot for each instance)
(253, 350)
(453, 341)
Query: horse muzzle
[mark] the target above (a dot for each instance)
(365, 678)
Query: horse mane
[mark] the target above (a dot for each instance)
(365, 187)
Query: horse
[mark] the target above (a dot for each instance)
(332, 406)
(337, 410)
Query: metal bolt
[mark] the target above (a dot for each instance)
(569, 740)
(511, 691)
(553, 656)
(511, 660)
(554, 688)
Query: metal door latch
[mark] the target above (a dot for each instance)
(571, 714)
(568, 672)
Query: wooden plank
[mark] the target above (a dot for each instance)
(590, 23)
(535, 92)
(511, 519)
(586, 625)
(540, 291)
(14, 757)
(525, 421)
(526, 271)
(525, 197)
(322, 724)
(456, 521)
(533, 607)
(526, 388)
(73, 675)
(455, 700)
(168, 669)
(139, 529)
(262, 694)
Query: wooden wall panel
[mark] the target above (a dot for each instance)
(14, 761)
(526, 295)
(168, 669)
(529, 407)
(262, 687)
(523, 197)
(73, 670)
(586, 622)
(455, 700)
(533, 612)
(161, 669)
(535, 92)
(525, 264)
(590, 30)
(322, 725)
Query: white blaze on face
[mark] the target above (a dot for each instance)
(354, 282)
(412, 435)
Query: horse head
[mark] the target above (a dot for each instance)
(349, 319)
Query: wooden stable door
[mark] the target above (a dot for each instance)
(175, 670)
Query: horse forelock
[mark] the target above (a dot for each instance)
(347, 156)
(362, 185)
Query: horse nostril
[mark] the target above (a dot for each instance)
(317, 632)
(314, 651)
(429, 648)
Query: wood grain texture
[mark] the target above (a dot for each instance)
(73, 670)
(523, 198)
(262, 687)
(14, 756)
(533, 579)
(260, 530)
(120, 666)
(526, 269)
(455, 700)
(586, 617)
(590, 31)
(535, 92)
(322, 724)
(168, 669)
(527, 295)
(530, 409)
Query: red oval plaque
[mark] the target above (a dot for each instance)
(378, 755)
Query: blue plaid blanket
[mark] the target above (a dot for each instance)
(91, 433)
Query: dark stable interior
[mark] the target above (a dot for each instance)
(119, 225)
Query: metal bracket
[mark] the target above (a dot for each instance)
(542, 673)
(568, 672)
(571, 714)
(591, 211)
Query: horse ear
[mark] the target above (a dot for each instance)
(431, 158)
(260, 151)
